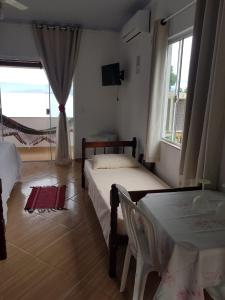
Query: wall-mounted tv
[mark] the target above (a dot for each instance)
(111, 74)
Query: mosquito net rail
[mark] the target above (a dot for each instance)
(26, 135)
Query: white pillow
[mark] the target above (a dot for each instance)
(114, 161)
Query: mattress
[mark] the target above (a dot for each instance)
(10, 166)
(99, 183)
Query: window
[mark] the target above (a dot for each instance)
(26, 97)
(25, 93)
(179, 54)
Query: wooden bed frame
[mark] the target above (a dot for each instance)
(116, 239)
(3, 253)
(107, 144)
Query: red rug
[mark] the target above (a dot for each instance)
(46, 198)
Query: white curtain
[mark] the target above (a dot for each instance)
(205, 111)
(157, 91)
(58, 49)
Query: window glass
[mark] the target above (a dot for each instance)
(26, 98)
(179, 54)
(25, 93)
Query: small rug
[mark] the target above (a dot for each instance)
(46, 198)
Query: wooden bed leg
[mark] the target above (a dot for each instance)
(82, 163)
(83, 181)
(113, 238)
(112, 260)
(3, 253)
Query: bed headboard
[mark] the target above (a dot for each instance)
(105, 144)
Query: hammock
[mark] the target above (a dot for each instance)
(26, 135)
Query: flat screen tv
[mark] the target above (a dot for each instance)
(111, 74)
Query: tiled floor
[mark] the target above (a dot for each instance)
(58, 255)
(39, 153)
(36, 153)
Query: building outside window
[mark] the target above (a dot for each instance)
(179, 54)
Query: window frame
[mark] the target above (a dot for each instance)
(20, 63)
(180, 37)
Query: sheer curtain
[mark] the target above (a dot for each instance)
(205, 110)
(58, 49)
(157, 91)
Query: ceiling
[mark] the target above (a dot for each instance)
(91, 14)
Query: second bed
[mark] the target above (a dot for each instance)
(102, 172)
(99, 186)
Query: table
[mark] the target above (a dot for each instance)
(190, 244)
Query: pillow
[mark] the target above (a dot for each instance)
(113, 161)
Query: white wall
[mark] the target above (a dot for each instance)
(168, 167)
(133, 93)
(17, 42)
(133, 107)
(95, 105)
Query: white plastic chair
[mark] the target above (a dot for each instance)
(141, 244)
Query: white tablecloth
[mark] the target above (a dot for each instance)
(191, 243)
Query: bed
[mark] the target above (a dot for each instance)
(10, 166)
(100, 183)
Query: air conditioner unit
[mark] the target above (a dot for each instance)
(140, 22)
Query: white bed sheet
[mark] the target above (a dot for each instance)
(10, 166)
(99, 184)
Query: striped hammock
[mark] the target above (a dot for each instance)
(26, 135)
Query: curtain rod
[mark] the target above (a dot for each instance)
(20, 22)
(61, 27)
(164, 21)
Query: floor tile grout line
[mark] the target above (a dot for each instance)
(25, 292)
(29, 253)
(90, 270)
(50, 244)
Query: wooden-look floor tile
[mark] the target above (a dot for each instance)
(85, 291)
(15, 273)
(54, 285)
(72, 188)
(37, 169)
(72, 216)
(38, 236)
(37, 181)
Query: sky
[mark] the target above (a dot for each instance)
(25, 93)
(23, 75)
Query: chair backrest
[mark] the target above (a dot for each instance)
(139, 228)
